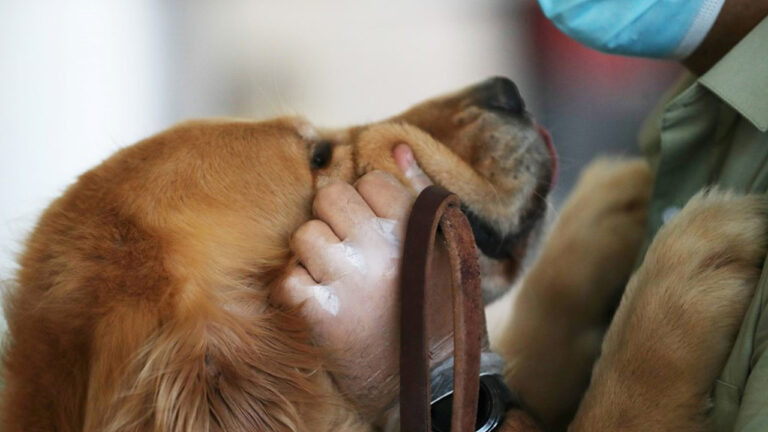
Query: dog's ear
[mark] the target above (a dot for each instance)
(220, 370)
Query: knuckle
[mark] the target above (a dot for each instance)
(307, 232)
(378, 181)
(291, 280)
(330, 193)
(293, 274)
(380, 176)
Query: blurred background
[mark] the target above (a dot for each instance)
(80, 79)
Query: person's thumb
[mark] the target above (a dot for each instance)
(407, 163)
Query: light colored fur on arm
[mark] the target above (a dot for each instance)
(553, 334)
(678, 319)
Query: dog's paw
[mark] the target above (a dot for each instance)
(678, 318)
(611, 194)
(553, 335)
(688, 298)
(599, 231)
(715, 248)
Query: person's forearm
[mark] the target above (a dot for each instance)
(736, 20)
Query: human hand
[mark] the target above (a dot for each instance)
(347, 283)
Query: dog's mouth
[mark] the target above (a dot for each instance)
(502, 246)
(503, 253)
(513, 168)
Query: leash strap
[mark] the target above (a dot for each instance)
(436, 208)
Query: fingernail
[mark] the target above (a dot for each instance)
(410, 168)
(406, 162)
(403, 157)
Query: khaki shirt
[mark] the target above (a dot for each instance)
(712, 131)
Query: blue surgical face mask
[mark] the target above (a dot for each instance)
(646, 28)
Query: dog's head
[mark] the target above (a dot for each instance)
(480, 143)
(146, 282)
(492, 153)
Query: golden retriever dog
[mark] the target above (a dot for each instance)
(142, 299)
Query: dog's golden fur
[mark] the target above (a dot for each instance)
(142, 299)
(116, 324)
(677, 319)
(573, 286)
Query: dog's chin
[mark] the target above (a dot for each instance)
(502, 255)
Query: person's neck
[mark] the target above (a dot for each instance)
(736, 20)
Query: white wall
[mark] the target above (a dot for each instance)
(78, 79)
(338, 61)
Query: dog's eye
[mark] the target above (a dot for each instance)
(321, 155)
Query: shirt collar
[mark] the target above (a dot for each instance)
(740, 78)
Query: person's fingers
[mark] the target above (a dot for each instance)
(299, 289)
(322, 253)
(342, 208)
(387, 197)
(295, 289)
(405, 160)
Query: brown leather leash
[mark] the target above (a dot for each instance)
(436, 208)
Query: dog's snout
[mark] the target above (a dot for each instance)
(499, 94)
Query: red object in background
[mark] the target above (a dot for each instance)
(562, 58)
(592, 103)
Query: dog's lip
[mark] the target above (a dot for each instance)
(547, 137)
(511, 246)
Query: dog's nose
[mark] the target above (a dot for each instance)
(499, 94)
